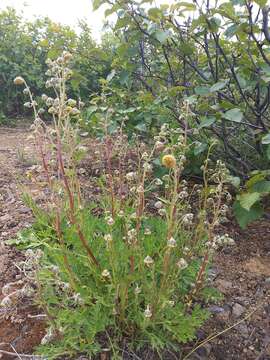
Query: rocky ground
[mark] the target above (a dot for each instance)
(241, 273)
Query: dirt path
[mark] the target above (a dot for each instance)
(18, 332)
(241, 273)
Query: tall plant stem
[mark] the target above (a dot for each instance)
(73, 219)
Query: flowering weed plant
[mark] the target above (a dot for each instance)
(129, 270)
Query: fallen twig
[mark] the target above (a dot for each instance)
(223, 331)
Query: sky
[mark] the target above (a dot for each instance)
(64, 11)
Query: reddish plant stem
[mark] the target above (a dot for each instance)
(62, 243)
(72, 205)
(109, 167)
(199, 279)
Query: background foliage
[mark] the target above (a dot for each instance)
(24, 47)
(213, 57)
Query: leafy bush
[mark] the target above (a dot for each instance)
(248, 205)
(131, 268)
(216, 56)
(25, 46)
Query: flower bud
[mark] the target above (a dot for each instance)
(18, 80)
(169, 161)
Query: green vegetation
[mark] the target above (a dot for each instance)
(173, 91)
(24, 48)
(118, 271)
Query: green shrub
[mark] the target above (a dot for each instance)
(132, 267)
(249, 203)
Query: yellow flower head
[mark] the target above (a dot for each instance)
(18, 80)
(169, 161)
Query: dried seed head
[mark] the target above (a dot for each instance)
(72, 102)
(162, 212)
(159, 146)
(187, 219)
(148, 261)
(158, 205)
(182, 264)
(147, 231)
(18, 80)
(158, 182)
(67, 56)
(147, 167)
(108, 238)
(171, 243)
(148, 312)
(110, 221)
(106, 274)
(130, 176)
(137, 290)
(140, 189)
(169, 161)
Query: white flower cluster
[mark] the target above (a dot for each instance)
(187, 219)
(148, 261)
(171, 243)
(20, 289)
(224, 240)
(148, 312)
(182, 264)
(220, 240)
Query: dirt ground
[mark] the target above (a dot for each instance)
(241, 273)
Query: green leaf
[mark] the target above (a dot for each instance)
(238, 2)
(235, 115)
(266, 139)
(199, 148)
(261, 3)
(124, 77)
(111, 75)
(207, 121)
(268, 152)
(255, 179)
(245, 217)
(248, 199)
(141, 127)
(154, 13)
(97, 3)
(262, 187)
(202, 90)
(191, 99)
(187, 5)
(162, 36)
(218, 86)
(234, 180)
(187, 49)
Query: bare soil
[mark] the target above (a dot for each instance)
(241, 273)
(19, 332)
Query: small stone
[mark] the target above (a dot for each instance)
(213, 273)
(200, 334)
(5, 218)
(243, 330)
(204, 351)
(82, 171)
(24, 210)
(238, 310)
(224, 315)
(214, 309)
(84, 134)
(224, 285)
